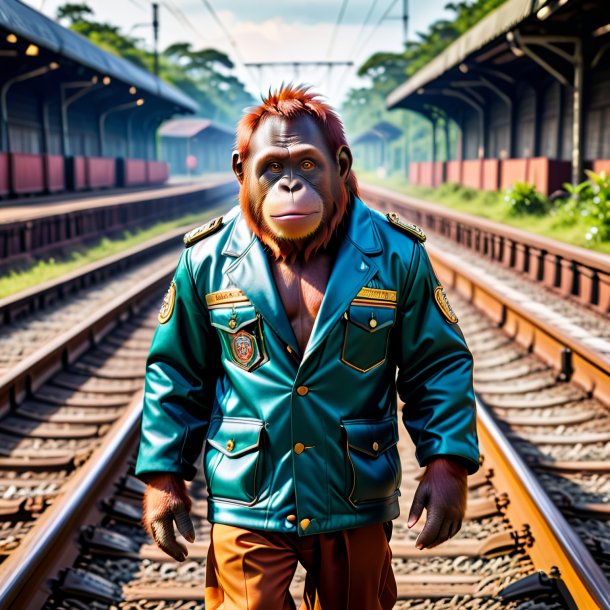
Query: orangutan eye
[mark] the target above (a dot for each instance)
(307, 165)
(275, 167)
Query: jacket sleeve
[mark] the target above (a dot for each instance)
(180, 383)
(434, 373)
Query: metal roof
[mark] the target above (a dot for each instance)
(492, 26)
(380, 131)
(188, 128)
(33, 26)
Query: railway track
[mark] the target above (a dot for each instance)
(538, 508)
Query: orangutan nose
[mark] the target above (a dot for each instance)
(291, 186)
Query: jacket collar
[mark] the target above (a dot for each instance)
(353, 268)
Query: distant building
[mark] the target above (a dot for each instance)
(196, 146)
(73, 116)
(372, 147)
(529, 89)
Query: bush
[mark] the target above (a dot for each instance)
(523, 199)
(589, 201)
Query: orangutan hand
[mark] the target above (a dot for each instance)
(166, 501)
(442, 492)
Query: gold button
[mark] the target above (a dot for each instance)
(299, 448)
(291, 518)
(289, 349)
(375, 446)
(230, 445)
(302, 390)
(232, 323)
(305, 523)
(372, 323)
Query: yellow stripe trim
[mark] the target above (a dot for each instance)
(377, 294)
(225, 297)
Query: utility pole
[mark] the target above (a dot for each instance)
(405, 21)
(155, 23)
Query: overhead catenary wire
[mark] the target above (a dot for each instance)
(179, 16)
(377, 25)
(141, 5)
(355, 47)
(231, 40)
(358, 47)
(333, 37)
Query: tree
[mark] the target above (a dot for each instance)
(363, 107)
(202, 74)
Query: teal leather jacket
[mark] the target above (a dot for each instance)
(305, 442)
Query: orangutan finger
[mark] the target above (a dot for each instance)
(442, 535)
(456, 527)
(431, 530)
(184, 523)
(418, 505)
(164, 537)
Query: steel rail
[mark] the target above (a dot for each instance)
(35, 369)
(556, 544)
(41, 229)
(588, 368)
(589, 258)
(573, 272)
(28, 566)
(36, 298)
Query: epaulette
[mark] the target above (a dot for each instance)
(193, 236)
(412, 230)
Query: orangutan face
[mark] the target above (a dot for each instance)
(291, 182)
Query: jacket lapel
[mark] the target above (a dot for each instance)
(251, 273)
(353, 268)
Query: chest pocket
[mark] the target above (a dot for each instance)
(366, 334)
(241, 334)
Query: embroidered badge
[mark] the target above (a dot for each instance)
(167, 307)
(443, 304)
(243, 347)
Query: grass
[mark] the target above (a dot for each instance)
(491, 205)
(45, 270)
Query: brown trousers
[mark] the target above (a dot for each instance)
(346, 570)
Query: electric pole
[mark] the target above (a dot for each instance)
(155, 23)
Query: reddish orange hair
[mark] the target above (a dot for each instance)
(293, 101)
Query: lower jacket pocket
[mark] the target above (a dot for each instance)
(232, 459)
(373, 458)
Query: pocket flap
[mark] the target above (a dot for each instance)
(235, 436)
(232, 320)
(372, 317)
(371, 437)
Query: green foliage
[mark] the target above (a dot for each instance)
(589, 205)
(523, 199)
(491, 205)
(45, 270)
(202, 74)
(364, 107)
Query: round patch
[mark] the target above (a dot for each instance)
(167, 307)
(443, 304)
(242, 346)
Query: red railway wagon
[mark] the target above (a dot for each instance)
(4, 175)
(27, 173)
(100, 172)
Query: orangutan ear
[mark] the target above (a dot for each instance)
(344, 162)
(238, 168)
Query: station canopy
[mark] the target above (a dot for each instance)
(493, 26)
(189, 128)
(33, 26)
(382, 131)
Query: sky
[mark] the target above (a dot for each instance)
(272, 30)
